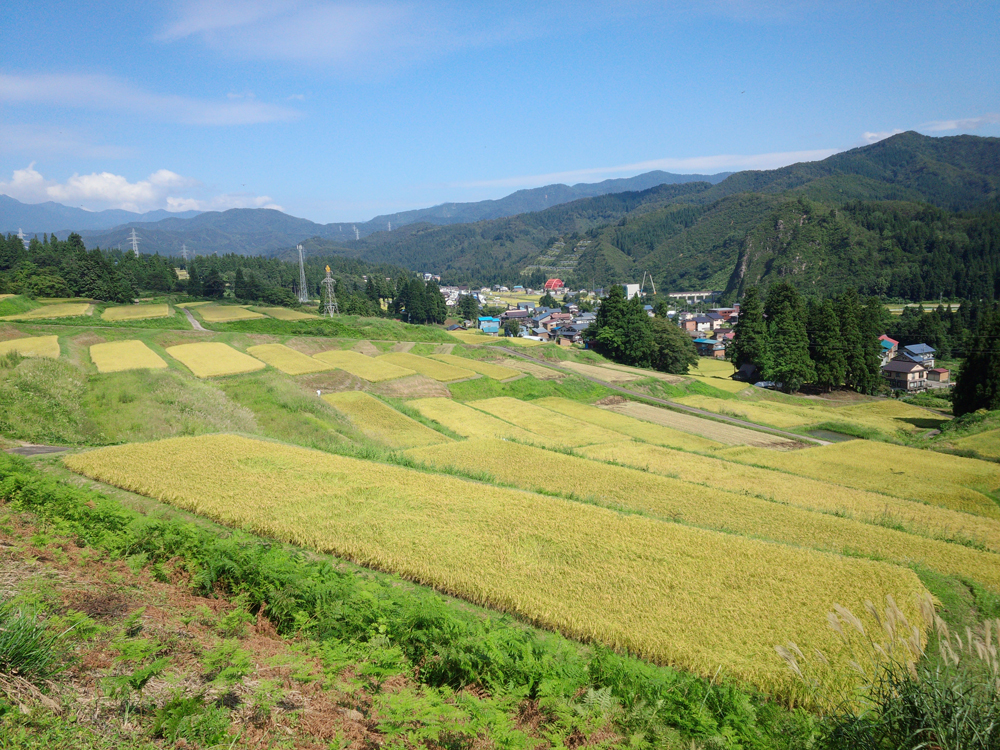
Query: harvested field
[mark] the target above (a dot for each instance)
(469, 422)
(497, 372)
(32, 346)
(115, 356)
(558, 429)
(985, 443)
(56, 310)
(910, 473)
(136, 312)
(636, 428)
(432, 368)
(208, 359)
(381, 422)
(814, 494)
(641, 373)
(226, 313)
(411, 386)
(672, 499)
(367, 348)
(287, 360)
(283, 313)
(530, 368)
(707, 428)
(372, 369)
(607, 374)
(587, 571)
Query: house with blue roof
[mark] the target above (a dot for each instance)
(919, 353)
(489, 324)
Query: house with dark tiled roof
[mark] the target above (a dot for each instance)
(903, 374)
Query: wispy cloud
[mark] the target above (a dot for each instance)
(869, 137)
(100, 190)
(104, 93)
(969, 123)
(695, 164)
(45, 140)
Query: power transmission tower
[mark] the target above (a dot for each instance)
(23, 237)
(184, 252)
(357, 234)
(303, 289)
(134, 238)
(331, 297)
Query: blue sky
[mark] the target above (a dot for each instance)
(342, 111)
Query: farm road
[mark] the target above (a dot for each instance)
(194, 323)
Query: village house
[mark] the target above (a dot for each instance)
(889, 347)
(905, 375)
(939, 375)
(919, 353)
(710, 348)
(489, 324)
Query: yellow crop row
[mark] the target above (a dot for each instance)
(32, 346)
(226, 313)
(605, 374)
(431, 368)
(467, 421)
(552, 427)
(651, 588)
(381, 422)
(283, 313)
(115, 356)
(910, 473)
(870, 507)
(636, 428)
(136, 312)
(490, 370)
(477, 337)
(985, 443)
(208, 359)
(287, 360)
(372, 369)
(673, 499)
(58, 310)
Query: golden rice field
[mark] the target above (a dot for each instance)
(535, 370)
(194, 304)
(226, 313)
(670, 499)
(605, 374)
(469, 422)
(722, 383)
(57, 310)
(208, 359)
(283, 313)
(709, 367)
(115, 356)
(32, 346)
(636, 428)
(7, 296)
(497, 372)
(287, 360)
(476, 337)
(372, 369)
(910, 473)
(640, 372)
(985, 443)
(918, 518)
(556, 429)
(652, 588)
(729, 434)
(136, 312)
(431, 368)
(379, 421)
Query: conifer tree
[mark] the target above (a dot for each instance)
(849, 314)
(827, 349)
(790, 363)
(750, 345)
(977, 385)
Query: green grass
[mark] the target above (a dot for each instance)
(528, 388)
(660, 389)
(16, 306)
(344, 326)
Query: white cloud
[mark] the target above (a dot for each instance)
(48, 140)
(870, 137)
(100, 190)
(696, 164)
(105, 93)
(969, 123)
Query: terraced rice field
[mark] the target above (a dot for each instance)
(287, 359)
(474, 337)
(918, 518)
(116, 356)
(381, 422)
(985, 443)
(136, 312)
(32, 346)
(634, 583)
(372, 369)
(535, 370)
(57, 310)
(636, 428)
(922, 475)
(672, 499)
(226, 313)
(497, 372)
(605, 374)
(718, 374)
(641, 373)
(469, 422)
(557, 429)
(431, 368)
(706, 428)
(209, 359)
(190, 305)
(283, 313)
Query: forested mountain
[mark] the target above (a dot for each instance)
(36, 218)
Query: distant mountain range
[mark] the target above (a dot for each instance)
(36, 218)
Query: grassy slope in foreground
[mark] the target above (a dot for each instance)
(674, 594)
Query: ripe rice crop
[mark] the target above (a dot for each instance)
(226, 313)
(430, 368)
(642, 373)
(605, 374)
(985, 443)
(497, 372)
(193, 304)
(467, 421)
(58, 310)
(671, 499)
(283, 313)
(208, 359)
(709, 367)
(381, 422)
(538, 371)
(287, 359)
(372, 369)
(115, 356)
(654, 589)
(477, 337)
(136, 312)
(724, 384)
(910, 473)
(814, 494)
(555, 428)
(32, 346)
(636, 428)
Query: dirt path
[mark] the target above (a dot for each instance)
(35, 450)
(403, 346)
(194, 323)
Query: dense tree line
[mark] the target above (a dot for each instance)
(977, 385)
